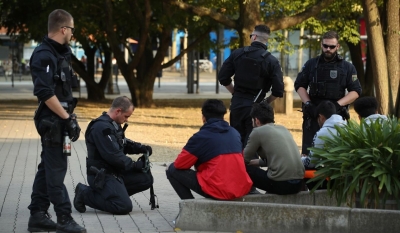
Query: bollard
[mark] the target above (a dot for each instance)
(285, 104)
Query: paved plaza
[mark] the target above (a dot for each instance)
(20, 155)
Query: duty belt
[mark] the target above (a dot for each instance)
(67, 106)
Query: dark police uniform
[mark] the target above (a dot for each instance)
(107, 149)
(326, 80)
(51, 75)
(254, 70)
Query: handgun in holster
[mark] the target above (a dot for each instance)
(100, 178)
(54, 132)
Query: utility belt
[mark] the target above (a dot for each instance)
(249, 96)
(69, 107)
(100, 166)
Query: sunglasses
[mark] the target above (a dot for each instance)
(72, 29)
(252, 35)
(329, 46)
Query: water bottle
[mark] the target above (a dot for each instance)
(66, 144)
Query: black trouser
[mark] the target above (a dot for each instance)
(310, 128)
(262, 181)
(49, 183)
(114, 197)
(183, 181)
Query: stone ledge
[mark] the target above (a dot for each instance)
(298, 213)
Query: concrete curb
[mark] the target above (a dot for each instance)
(256, 213)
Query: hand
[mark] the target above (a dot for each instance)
(310, 110)
(342, 111)
(138, 165)
(73, 128)
(145, 149)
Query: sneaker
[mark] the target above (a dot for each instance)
(253, 190)
(66, 224)
(41, 222)
(79, 202)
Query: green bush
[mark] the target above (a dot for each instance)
(361, 162)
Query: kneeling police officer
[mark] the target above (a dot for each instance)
(112, 176)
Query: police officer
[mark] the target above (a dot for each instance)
(255, 70)
(52, 78)
(326, 77)
(112, 176)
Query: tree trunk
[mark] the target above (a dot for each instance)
(249, 17)
(355, 53)
(368, 88)
(392, 51)
(378, 54)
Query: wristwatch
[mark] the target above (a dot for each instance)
(307, 103)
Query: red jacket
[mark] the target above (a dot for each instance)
(216, 153)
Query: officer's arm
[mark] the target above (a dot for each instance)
(54, 105)
(43, 70)
(277, 80)
(348, 99)
(353, 86)
(302, 77)
(108, 147)
(303, 94)
(230, 88)
(226, 72)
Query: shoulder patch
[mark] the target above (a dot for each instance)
(354, 77)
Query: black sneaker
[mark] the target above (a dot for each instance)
(79, 202)
(253, 190)
(41, 222)
(66, 224)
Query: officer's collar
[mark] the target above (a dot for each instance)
(259, 44)
(57, 46)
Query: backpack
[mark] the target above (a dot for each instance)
(248, 72)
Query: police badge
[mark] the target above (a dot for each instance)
(333, 73)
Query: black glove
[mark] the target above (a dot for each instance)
(310, 110)
(132, 147)
(138, 165)
(145, 148)
(73, 128)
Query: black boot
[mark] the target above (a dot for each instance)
(41, 222)
(66, 224)
(79, 203)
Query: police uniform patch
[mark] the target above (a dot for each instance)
(333, 73)
(354, 77)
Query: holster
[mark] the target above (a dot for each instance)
(52, 130)
(100, 177)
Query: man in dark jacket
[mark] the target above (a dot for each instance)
(325, 77)
(117, 176)
(53, 80)
(216, 153)
(256, 71)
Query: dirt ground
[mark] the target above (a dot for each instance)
(166, 127)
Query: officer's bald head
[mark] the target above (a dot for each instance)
(57, 19)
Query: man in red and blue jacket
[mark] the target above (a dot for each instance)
(216, 153)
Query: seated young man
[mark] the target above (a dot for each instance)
(216, 153)
(367, 107)
(278, 151)
(327, 120)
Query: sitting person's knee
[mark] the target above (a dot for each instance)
(170, 170)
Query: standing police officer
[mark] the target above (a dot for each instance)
(113, 177)
(255, 70)
(52, 78)
(326, 77)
